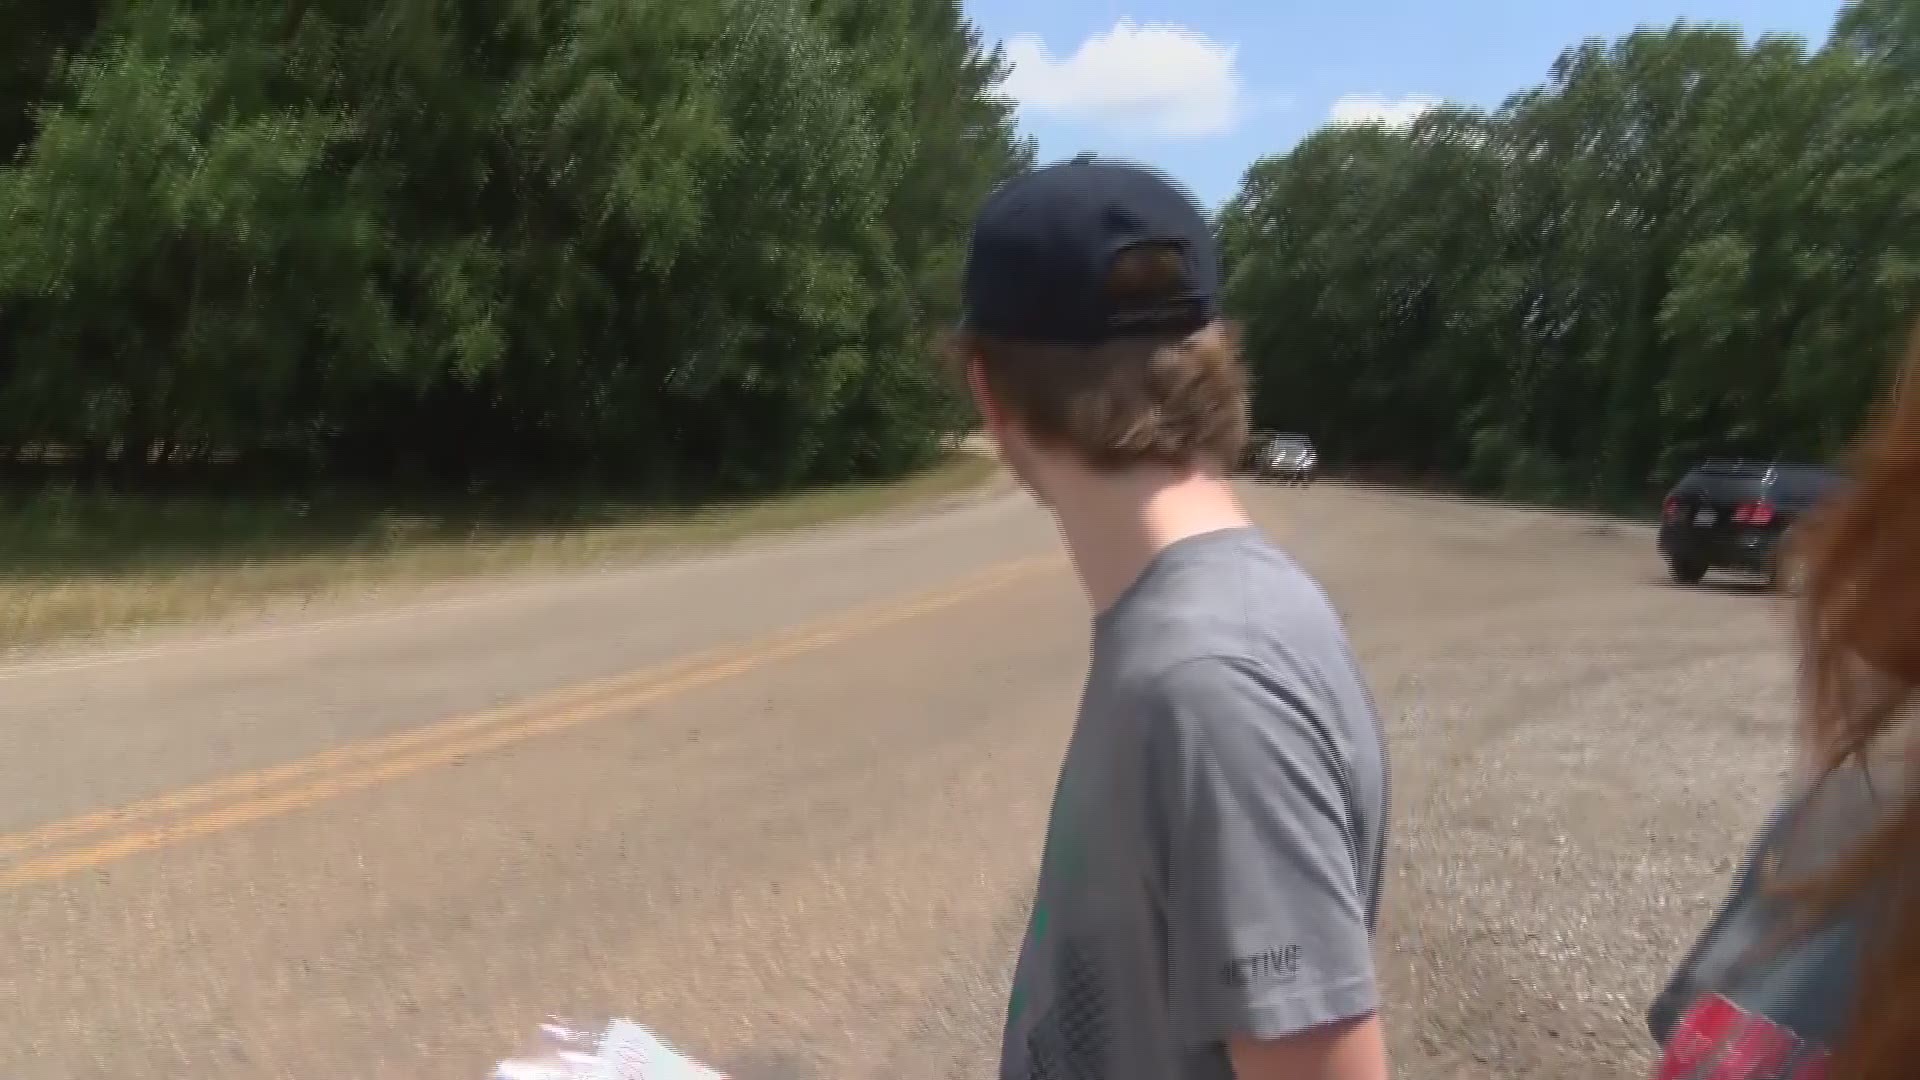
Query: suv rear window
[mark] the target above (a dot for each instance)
(1750, 480)
(1723, 482)
(1735, 467)
(1808, 480)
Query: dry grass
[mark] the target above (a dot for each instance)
(72, 566)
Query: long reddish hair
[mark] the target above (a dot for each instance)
(1860, 631)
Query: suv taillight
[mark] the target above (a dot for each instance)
(1672, 509)
(1754, 513)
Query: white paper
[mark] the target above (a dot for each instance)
(624, 1051)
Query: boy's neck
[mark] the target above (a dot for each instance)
(1115, 523)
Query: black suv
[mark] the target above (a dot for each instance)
(1732, 515)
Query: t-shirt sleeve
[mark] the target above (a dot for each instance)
(1266, 926)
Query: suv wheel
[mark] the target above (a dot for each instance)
(1686, 571)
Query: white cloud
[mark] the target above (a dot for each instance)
(1365, 109)
(1157, 78)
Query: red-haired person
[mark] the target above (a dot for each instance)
(1811, 970)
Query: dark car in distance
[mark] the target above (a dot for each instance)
(1735, 515)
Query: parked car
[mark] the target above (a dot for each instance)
(1288, 458)
(1735, 515)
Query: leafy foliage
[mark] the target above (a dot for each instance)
(1681, 244)
(682, 244)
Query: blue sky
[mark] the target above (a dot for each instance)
(1202, 88)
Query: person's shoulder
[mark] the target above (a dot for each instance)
(1269, 593)
(1227, 698)
(1230, 597)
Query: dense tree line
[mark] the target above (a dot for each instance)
(681, 244)
(1682, 244)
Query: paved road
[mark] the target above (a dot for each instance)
(785, 803)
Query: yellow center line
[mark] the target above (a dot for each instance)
(241, 784)
(244, 798)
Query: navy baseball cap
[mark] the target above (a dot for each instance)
(1045, 262)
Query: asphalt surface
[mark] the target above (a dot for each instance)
(784, 803)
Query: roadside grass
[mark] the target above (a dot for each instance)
(76, 565)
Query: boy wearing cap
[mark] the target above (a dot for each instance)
(1213, 860)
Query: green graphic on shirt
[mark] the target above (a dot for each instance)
(1062, 861)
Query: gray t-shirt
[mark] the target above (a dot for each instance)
(1213, 861)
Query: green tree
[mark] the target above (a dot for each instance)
(1680, 244)
(683, 245)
